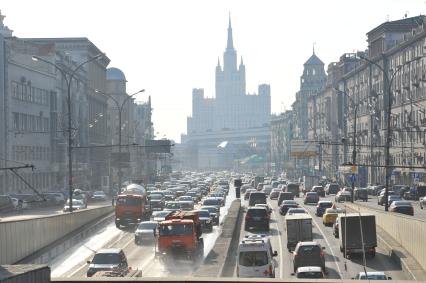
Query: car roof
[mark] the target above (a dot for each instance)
(310, 243)
(256, 207)
(372, 273)
(109, 251)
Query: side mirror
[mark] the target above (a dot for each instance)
(323, 248)
(275, 253)
(389, 278)
(292, 274)
(88, 262)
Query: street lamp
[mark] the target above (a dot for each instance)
(120, 110)
(388, 82)
(353, 140)
(68, 76)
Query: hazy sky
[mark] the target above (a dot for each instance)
(170, 47)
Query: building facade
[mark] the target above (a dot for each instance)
(233, 113)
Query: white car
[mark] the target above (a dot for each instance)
(99, 195)
(19, 205)
(254, 257)
(372, 275)
(76, 205)
(146, 232)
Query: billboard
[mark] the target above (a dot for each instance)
(301, 148)
(157, 146)
(120, 159)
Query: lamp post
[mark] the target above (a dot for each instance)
(388, 85)
(353, 140)
(68, 76)
(120, 108)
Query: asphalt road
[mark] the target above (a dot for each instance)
(42, 212)
(337, 266)
(141, 257)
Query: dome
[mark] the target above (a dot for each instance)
(115, 74)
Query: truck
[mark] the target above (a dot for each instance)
(180, 236)
(351, 239)
(131, 206)
(299, 229)
(293, 188)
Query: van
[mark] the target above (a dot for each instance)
(257, 198)
(255, 257)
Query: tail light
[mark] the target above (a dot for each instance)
(295, 254)
(270, 270)
(322, 253)
(248, 216)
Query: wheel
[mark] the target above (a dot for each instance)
(117, 224)
(421, 206)
(246, 228)
(373, 253)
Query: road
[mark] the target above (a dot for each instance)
(337, 266)
(372, 202)
(73, 263)
(43, 212)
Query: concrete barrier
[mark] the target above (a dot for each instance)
(19, 239)
(214, 265)
(27, 273)
(406, 231)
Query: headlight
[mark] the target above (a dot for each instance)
(208, 221)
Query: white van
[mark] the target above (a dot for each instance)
(255, 257)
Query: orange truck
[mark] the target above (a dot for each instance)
(179, 236)
(131, 206)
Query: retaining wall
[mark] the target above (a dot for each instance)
(19, 239)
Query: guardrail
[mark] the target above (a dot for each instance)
(407, 231)
(19, 239)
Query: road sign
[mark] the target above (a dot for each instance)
(353, 178)
(354, 169)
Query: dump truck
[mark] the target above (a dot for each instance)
(293, 188)
(131, 206)
(299, 229)
(180, 236)
(351, 239)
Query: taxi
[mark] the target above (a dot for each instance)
(330, 215)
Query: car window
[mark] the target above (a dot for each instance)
(309, 250)
(106, 258)
(257, 212)
(147, 226)
(253, 258)
(310, 274)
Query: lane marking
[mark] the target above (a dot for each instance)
(279, 244)
(327, 242)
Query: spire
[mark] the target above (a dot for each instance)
(218, 62)
(313, 48)
(241, 63)
(230, 44)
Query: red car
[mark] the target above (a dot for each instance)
(286, 205)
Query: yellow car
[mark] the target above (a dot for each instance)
(330, 215)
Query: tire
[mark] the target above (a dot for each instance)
(117, 224)
(373, 253)
(246, 227)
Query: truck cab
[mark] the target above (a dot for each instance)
(130, 209)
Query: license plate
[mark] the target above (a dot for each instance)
(257, 218)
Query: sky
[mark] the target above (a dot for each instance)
(169, 47)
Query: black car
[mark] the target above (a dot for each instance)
(206, 220)
(332, 189)
(257, 218)
(286, 205)
(156, 201)
(112, 259)
(214, 213)
(322, 206)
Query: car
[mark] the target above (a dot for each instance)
(403, 207)
(99, 196)
(343, 196)
(284, 196)
(336, 228)
(319, 190)
(214, 213)
(159, 216)
(257, 218)
(266, 206)
(206, 220)
(257, 198)
(108, 259)
(311, 197)
(186, 205)
(248, 192)
(381, 197)
(156, 201)
(246, 187)
(19, 204)
(267, 189)
(76, 205)
(308, 254)
(322, 206)
(311, 272)
(171, 206)
(422, 202)
(146, 232)
(332, 188)
(212, 201)
(361, 194)
(372, 275)
(393, 198)
(297, 210)
(255, 257)
(274, 193)
(286, 205)
(330, 215)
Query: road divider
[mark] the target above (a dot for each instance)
(220, 259)
(23, 238)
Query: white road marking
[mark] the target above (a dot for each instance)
(279, 244)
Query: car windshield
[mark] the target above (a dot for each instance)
(156, 197)
(178, 229)
(373, 276)
(204, 213)
(106, 258)
(147, 226)
(211, 202)
(309, 250)
(98, 193)
(173, 205)
(125, 201)
(253, 258)
(310, 274)
(160, 213)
